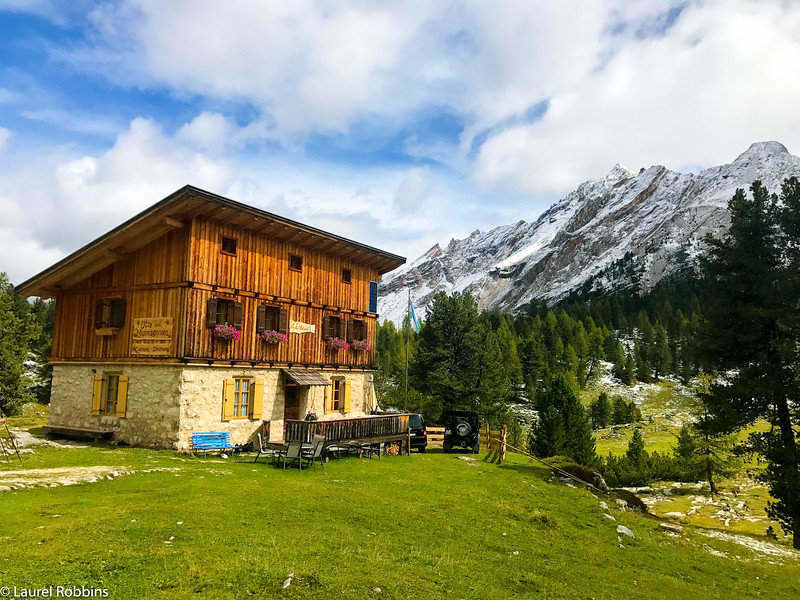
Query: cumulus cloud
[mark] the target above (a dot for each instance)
(699, 95)
(55, 201)
(413, 190)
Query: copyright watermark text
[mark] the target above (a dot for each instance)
(53, 591)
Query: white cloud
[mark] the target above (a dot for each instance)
(697, 96)
(4, 135)
(74, 121)
(56, 201)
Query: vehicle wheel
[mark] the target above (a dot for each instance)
(422, 450)
(446, 446)
(476, 448)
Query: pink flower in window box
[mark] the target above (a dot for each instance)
(335, 343)
(359, 345)
(226, 332)
(270, 336)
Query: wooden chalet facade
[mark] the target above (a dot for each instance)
(205, 314)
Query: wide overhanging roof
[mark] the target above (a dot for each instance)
(306, 377)
(171, 213)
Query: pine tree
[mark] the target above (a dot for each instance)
(752, 276)
(18, 331)
(547, 435)
(601, 411)
(630, 371)
(636, 453)
(620, 411)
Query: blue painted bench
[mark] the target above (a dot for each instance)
(211, 440)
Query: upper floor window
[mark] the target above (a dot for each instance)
(272, 318)
(295, 262)
(356, 330)
(332, 327)
(223, 312)
(109, 312)
(347, 276)
(229, 246)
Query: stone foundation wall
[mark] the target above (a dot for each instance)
(166, 403)
(152, 414)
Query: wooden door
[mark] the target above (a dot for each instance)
(291, 407)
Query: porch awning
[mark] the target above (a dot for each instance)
(306, 377)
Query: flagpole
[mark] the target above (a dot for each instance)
(408, 332)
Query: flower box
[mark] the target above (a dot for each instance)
(270, 336)
(359, 345)
(226, 332)
(335, 343)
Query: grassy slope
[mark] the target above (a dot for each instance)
(424, 526)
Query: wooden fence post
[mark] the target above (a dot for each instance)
(502, 450)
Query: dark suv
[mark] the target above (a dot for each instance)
(419, 435)
(461, 428)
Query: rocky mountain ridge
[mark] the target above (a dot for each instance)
(609, 233)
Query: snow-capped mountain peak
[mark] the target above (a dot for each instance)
(619, 230)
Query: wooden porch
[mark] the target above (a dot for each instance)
(369, 429)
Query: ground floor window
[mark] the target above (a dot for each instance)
(110, 394)
(337, 396)
(241, 397)
(110, 390)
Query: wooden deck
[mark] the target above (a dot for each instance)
(365, 430)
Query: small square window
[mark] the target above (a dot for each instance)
(347, 276)
(229, 246)
(295, 262)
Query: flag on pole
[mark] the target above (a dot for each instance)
(414, 322)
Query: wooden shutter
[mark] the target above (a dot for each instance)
(211, 313)
(257, 401)
(349, 329)
(122, 395)
(97, 392)
(346, 396)
(261, 319)
(237, 315)
(326, 327)
(99, 319)
(373, 296)
(283, 321)
(117, 313)
(328, 398)
(227, 400)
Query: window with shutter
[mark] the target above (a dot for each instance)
(223, 312)
(109, 314)
(333, 327)
(373, 296)
(269, 318)
(356, 330)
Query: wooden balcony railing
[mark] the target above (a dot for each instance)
(374, 427)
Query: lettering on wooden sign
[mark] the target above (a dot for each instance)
(300, 327)
(152, 336)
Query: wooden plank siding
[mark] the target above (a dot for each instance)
(301, 348)
(261, 265)
(176, 274)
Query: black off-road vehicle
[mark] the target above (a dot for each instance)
(461, 428)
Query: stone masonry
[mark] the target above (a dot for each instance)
(166, 403)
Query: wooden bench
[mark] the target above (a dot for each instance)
(211, 440)
(79, 432)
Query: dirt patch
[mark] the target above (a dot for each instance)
(753, 544)
(25, 478)
(25, 439)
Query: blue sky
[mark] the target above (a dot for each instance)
(398, 124)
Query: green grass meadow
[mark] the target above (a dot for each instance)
(420, 526)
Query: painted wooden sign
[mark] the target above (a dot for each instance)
(300, 327)
(152, 336)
